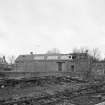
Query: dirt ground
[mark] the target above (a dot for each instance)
(52, 92)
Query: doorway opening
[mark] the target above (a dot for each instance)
(60, 66)
(72, 67)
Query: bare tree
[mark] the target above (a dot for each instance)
(53, 51)
(80, 50)
(84, 50)
(95, 53)
(11, 59)
(76, 50)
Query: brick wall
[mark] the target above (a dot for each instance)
(98, 69)
(39, 66)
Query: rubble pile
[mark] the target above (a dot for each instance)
(38, 81)
(52, 91)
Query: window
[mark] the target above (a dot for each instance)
(52, 57)
(64, 57)
(70, 57)
(39, 58)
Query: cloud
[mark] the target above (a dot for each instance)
(51, 24)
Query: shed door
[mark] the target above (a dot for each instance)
(60, 66)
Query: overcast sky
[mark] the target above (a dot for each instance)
(40, 25)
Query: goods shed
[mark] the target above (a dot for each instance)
(51, 62)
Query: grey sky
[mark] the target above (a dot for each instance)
(29, 25)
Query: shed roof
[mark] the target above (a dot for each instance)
(31, 57)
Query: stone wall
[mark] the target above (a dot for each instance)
(39, 66)
(98, 69)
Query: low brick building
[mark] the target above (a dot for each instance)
(74, 63)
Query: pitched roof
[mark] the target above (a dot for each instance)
(31, 56)
(44, 56)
